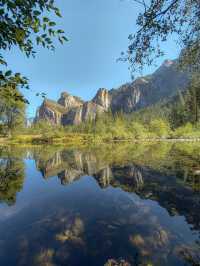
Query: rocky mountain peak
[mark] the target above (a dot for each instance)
(141, 81)
(102, 98)
(50, 111)
(64, 94)
(130, 97)
(69, 101)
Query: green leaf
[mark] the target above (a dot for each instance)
(8, 73)
(45, 19)
(38, 39)
(17, 74)
(57, 12)
(65, 39)
(52, 24)
(19, 35)
(2, 62)
(60, 40)
(36, 12)
(48, 40)
(11, 5)
(60, 31)
(44, 27)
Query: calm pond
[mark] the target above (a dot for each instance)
(86, 206)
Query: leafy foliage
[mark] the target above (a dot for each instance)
(11, 179)
(160, 127)
(158, 21)
(25, 24)
(12, 109)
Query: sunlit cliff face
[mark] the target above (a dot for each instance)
(68, 101)
(103, 98)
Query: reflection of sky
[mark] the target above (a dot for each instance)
(8, 212)
(159, 215)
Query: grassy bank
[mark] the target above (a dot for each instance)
(41, 139)
(88, 139)
(105, 129)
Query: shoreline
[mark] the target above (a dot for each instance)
(83, 140)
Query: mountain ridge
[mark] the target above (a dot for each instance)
(142, 92)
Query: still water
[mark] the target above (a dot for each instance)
(134, 205)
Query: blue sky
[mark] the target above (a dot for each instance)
(98, 32)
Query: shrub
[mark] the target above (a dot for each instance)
(160, 128)
(186, 131)
(137, 130)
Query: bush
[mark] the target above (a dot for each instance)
(186, 131)
(137, 130)
(160, 128)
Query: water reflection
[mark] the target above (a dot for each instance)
(119, 204)
(172, 185)
(11, 179)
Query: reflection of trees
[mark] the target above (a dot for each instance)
(11, 179)
(189, 253)
(186, 173)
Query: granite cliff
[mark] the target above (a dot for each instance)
(142, 92)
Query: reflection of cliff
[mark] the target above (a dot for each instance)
(69, 166)
(169, 187)
(11, 179)
(104, 176)
(52, 166)
(130, 177)
(69, 175)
